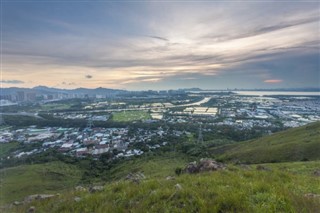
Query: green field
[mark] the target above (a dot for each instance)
(232, 190)
(296, 144)
(127, 116)
(151, 166)
(21, 181)
(6, 148)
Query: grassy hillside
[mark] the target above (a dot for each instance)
(6, 148)
(280, 187)
(296, 144)
(21, 181)
(151, 166)
(233, 190)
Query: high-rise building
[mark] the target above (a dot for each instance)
(31, 96)
(20, 96)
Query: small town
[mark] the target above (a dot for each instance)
(205, 112)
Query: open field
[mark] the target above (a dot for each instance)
(21, 181)
(127, 116)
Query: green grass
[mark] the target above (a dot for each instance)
(127, 116)
(151, 166)
(231, 190)
(296, 144)
(21, 181)
(236, 189)
(6, 148)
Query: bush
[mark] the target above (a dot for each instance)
(178, 171)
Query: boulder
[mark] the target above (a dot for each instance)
(135, 177)
(170, 178)
(192, 167)
(203, 166)
(77, 199)
(317, 173)
(178, 186)
(209, 165)
(94, 189)
(17, 203)
(32, 209)
(80, 188)
(263, 168)
(31, 198)
(312, 195)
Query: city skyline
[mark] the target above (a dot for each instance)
(138, 45)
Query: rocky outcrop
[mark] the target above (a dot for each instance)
(77, 199)
(312, 195)
(80, 188)
(32, 209)
(204, 165)
(135, 177)
(262, 168)
(31, 198)
(94, 189)
(170, 178)
(317, 173)
(178, 186)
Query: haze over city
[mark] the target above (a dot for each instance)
(140, 45)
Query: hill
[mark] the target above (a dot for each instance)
(274, 187)
(296, 144)
(21, 181)
(235, 189)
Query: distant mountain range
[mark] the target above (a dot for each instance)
(50, 90)
(103, 91)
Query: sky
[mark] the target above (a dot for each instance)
(139, 45)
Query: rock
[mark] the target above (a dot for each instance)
(170, 178)
(17, 203)
(192, 167)
(94, 189)
(77, 199)
(135, 177)
(311, 195)
(31, 198)
(80, 188)
(263, 168)
(210, 165)
(203, 166)
(32, 209)
(178, 186)
(317, 173)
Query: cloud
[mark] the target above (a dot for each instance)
(196, 41)
(273, 81)
(159, 38)
(12, 82)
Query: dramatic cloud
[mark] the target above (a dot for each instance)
(203, 44)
